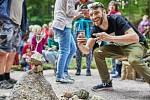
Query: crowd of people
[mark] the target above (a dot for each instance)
(40, 39)
(80, 27)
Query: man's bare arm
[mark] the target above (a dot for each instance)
(85, 48)
(129, 37)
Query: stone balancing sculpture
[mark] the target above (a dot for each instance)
(33, 85)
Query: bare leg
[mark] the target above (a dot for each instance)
(2, 62)
(10, 61)
(3, 83)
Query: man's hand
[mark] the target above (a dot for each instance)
(81, 41)
(103, 36)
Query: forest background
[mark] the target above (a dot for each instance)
(42, 11)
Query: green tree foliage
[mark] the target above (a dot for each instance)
(134, 10)
(41, 11)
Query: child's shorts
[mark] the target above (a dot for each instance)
(9, 36)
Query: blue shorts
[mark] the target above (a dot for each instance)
(9, 36)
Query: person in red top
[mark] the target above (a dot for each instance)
(26, 46)
(113, 8)
(26, 55)
(38, 40)
(38, 44)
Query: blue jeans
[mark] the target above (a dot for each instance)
(67, 48)
(83, 24)
(50, 56)
(88, 59)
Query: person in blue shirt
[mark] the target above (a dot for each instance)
(83, 24)
(124, 41)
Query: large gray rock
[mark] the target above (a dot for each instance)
(33, 86)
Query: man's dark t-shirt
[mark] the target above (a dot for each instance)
(118, 25)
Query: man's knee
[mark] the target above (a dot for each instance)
(3, 57)
(97, 53)
(3, 53)
(134, 61)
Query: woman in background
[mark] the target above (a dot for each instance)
(116, 69)
(113, 8)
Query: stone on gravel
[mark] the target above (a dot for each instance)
(33, 86)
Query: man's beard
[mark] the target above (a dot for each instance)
(98, 21)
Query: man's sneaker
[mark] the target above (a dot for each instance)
(69, 77)
(103, 86)
(5, 85)
(12, 81)
(64, 80)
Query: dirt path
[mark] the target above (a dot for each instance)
(123, 90)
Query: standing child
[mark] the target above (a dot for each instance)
(83, 24)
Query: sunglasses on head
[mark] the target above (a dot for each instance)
(95, 5)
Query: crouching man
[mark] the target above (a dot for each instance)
(124, 40)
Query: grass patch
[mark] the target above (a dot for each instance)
(83, 63)
(93, 64)
(72, 65)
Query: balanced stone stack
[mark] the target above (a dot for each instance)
(33, 86)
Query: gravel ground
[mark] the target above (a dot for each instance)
(122, 90)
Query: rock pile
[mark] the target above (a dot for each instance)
(33, 86)
(79, 95)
